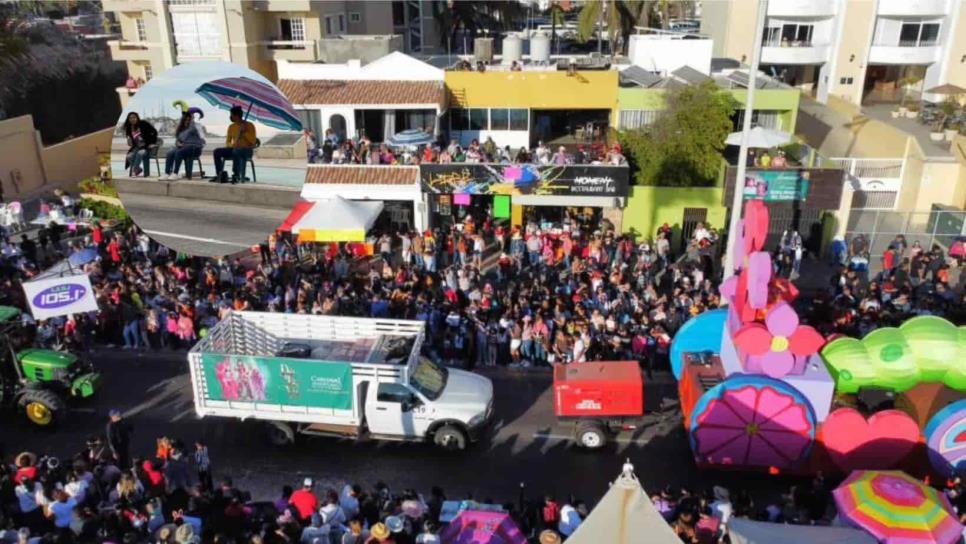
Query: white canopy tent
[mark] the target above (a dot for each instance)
(743, 531)
(337, 220)
(625, 515)
(761, 137)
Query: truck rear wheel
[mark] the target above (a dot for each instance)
(450, 437)
(42, 408)
(280, 433)
(591, 435)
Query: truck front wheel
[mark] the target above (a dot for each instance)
(450, 437)
(591, 435)
(43, 408)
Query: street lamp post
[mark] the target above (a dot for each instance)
(737, 198)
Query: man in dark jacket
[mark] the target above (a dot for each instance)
(119, 439)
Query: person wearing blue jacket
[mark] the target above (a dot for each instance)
(187, 147)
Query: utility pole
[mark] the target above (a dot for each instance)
(738, 199)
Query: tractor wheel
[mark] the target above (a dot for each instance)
(42, 407)
(591, 435)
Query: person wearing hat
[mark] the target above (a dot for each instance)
(380, 534)
(239, 145)
(304, 500)
(721, 506)
(119, 438)
(549, 536)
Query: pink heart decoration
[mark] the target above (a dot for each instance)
(879, 443)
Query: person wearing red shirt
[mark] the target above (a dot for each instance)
(114, 248)
(304, 501)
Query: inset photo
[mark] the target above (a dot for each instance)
(208, 158)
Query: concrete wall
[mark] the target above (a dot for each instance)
(649, 207)
(942, 183)
(27, 168)
(852, 56)
(364, 48)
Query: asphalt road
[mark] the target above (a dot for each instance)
(525, 445)
(200, 227)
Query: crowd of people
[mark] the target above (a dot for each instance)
(335, 150)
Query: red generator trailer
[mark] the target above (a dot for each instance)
(601, 398)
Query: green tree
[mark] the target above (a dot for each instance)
(683, 147)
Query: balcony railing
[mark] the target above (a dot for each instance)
(906, 43)
(191, 2)
(792, 43)
(289, 44)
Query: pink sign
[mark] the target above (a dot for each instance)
(461, 199)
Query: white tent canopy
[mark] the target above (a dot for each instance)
(624, 516)
(743, 531)
(761, 137)
(337, 220)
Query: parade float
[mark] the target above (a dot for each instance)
(760, 390)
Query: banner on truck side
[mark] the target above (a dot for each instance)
(55, 297)
(278, 380)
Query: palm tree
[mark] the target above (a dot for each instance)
(619, 17)
(473, 17)
(556, 16)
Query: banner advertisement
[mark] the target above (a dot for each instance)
(278, 380)
(776, 185)
(525, 179)
(55, 297)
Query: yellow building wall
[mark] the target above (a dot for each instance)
(71, 161)
(537, 90)
(955, 67)
(852, 55)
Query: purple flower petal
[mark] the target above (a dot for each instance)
(759, 273)
(777, 364)
(782, 320)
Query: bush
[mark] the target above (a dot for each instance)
(104, 211)
(97, 186)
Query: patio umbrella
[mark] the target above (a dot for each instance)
(480, 527)
(947, 88)
(261, 101)
(761, 137)
(82, 257)
(410, 138)
(337, 220)
(896, 508)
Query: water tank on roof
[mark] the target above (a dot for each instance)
(483, 50)
(512, 48)
(540, 47)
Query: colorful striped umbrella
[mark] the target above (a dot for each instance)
(261, 101)
(896, 508)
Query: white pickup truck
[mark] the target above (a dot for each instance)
(335, 376)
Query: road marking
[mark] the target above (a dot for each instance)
(569, 438)
(195, 238)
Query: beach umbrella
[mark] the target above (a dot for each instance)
(82, 257)
(261, 101)
(482, 527)
(410, 138)
(896, 508)
(761, 137)
(947, 89)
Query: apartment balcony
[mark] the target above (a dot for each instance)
(124, 50)
(296, 51)
(785, 52)
(128, 6)
(282, 5)
(914, 52)
(801, 8)
(914, 8)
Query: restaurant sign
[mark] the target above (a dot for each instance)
(528, 179)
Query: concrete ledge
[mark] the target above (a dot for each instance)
(253, 194)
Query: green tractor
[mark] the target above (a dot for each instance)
(39, 381)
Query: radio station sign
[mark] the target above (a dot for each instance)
(55, 297)
(525, 179)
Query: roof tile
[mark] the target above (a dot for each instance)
(325, 91)
(362, 175)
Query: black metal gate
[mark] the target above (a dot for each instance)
(807, 222)
(690, 220)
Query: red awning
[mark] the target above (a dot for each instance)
(301, 208)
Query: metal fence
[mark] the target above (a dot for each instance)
(880, 227)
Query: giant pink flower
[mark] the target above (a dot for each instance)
(774, 346)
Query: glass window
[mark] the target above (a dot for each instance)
(499, 119)
(328, 26)
(196, 34)
(142, 32)
(429, 378)
(519, 119)
(341, 23)
(478, 120)
(929, 34)
(293, 30)
(355, 17)
(148, 71)
(393, 392)
(459, 120)
(804, 33)
(772, 36)
(909, 35)
(399, 13)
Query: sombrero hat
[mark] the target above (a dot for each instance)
(379, 531)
